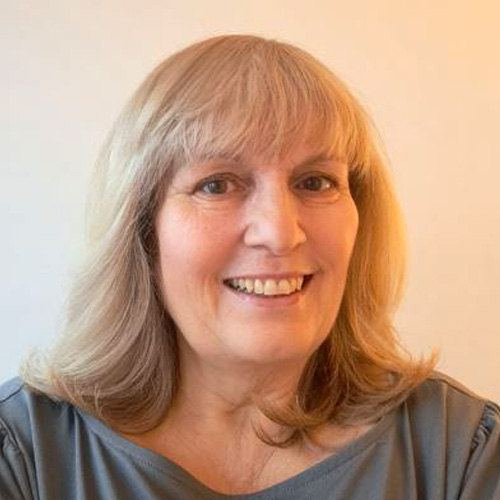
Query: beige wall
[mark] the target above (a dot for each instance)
(428, 71)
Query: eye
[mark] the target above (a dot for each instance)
(317, 183)
(215, 186)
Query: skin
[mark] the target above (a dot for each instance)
(290, 214)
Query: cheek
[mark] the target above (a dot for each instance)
(193, 248)
(192, 254)
(334, 234)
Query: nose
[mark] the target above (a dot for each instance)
(273, 221)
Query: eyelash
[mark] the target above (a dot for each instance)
(333, 183)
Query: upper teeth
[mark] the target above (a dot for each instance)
(268, 286)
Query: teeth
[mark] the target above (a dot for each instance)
(258, 287)
(249, 286)
(268, 286)
(286, 286)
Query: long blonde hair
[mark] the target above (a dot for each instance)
(117, 356)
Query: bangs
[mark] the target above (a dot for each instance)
(260, 99)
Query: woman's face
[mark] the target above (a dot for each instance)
(251, 219)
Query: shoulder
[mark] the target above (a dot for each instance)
(18, 400)
(447, 423)
(469, 425)
(27, 416)
(14, 402)
(440, 382)
(441, 394)
(10, 389)
(33, 434)
(451, 406)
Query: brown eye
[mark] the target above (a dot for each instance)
(218, 185)
(214, 186)
(317, 183)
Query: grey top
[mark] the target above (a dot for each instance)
(442, 442)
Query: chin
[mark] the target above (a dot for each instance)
(268, 350)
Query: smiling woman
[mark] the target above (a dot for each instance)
(230, 329)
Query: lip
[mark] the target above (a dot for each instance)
(272, 302)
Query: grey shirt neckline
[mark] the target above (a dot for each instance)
(165, 466)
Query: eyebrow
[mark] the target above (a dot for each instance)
(321, 158)
(318, 158)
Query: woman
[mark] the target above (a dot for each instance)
(229, 334)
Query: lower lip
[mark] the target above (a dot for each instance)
(271, 301)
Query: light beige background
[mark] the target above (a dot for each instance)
(428, 71)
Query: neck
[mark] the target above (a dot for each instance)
(210, 429)
(224, 397)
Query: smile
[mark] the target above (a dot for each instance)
(268, 287)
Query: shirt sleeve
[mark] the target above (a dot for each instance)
(14, 477)
(482, 475)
